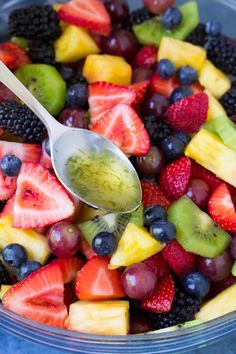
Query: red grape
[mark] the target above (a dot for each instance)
(217, 268)
(75, 118)
(140, 323)
(118, 10)
(141, 74)
(199, 191)
(6, 94)
(154, 105)
(152, 163)
(158, 6)
(233, 247)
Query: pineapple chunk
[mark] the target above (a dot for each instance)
(136, 244)
(209, 151)
(215, 108)
(74, 44)
(108, 68)
(35, 244)
(100, 317)
(3, 290)
(214, 80)
(181, 53)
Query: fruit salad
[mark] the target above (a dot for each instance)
(158, 84)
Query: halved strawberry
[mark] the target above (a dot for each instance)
(69, 267)
(158, 265)
(40, 198)
(13, 56)
(161, 300)
(140, 89)
(221, 208)
(87, 250)
(96, 282)
(125, 129)
(147, 56)
(90, 14)
(7, 186)
(8, 208)
(163, 87)
(103, 96)
(25, 152)
(39, 297)
(153, 195)
(45, 160)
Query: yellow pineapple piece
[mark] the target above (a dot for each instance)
(214, 80)
(136, 244)
(215, 108)
(108, 68)
(74, 44)
(209, 151)
(3, 290)
(35, 244)
(57, 6)
(100, 317)
(181, 53)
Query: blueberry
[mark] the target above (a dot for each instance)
(163, 231)
(104, 244)
(180, 93)
(77, 95)
(67, 73)
(185, 138)
(47, 146)
(173, 148)
(214, 28)
(27, 268)
(153, 213)
(171, 18)
(166, 69)
(10, 165)
(187, 75)
(196, 284)
(14, 255)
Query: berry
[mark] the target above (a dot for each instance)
(188, 114)
(228, 101)
(152, 163)
(25, 152)
(47, 146)
(118, 10)
(69, 267)
(27, 268)
(185, 138)
(187, 75)
(140, 89)
(171, 18)
(154, 213)
(136, 17)
(45, 159)
(217, 268)
(13, 56)
(75, 118)
(158, 6)
(41, 51)
(14, 255)
(180, 93)
(7, 186)
(172, 147)
(77, 95)
(163, 231)
(147, 56)
(158, 265)
(162, 86)
(198, 36)
(199, 191)
(140, 323)
(104, 244)
(157, 130)
(166, 69)
(154, 104)
(214, 28)
(196, 284)
(153, 195)
(4, 276)
(10, 165)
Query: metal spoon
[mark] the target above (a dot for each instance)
(65, 142)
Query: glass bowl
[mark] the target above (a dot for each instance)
(168, 342)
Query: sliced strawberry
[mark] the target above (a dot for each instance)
(96, 282)
(69, 267)
(153, 195)
(125, 129)
(25, 152)
(103, 96)
(9, 59)
(87, 250)
(13, 55)
(40, 198)
(8, 208)
(196, 88)
(161, 300)
(39, 297)
(175, 177)
(7, 186)
(90, 14)
(158, 264)
(147, 56)
(163, 87)
(140, 89)
(45, 160)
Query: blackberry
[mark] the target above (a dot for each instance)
(183, 310)
(42, 52)
(228, 100)
(20, 121)
(199, 36)
(35, 22)
(4, 276)
(157, 130)
(136, 17)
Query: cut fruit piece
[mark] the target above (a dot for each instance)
(219, 306)
(8, 208)
(153, 195)
(199, 172)
(210, 152)
(96, 282)
(88, 213)
(215, 107)
(214, 80)
(196, 231)
(176, 50)
(35, 244)
(152, 31)
(39, 297)
(140, 89)
(4, 289)
(101, 317)
(13, 56)
(40, 199)
(162, 86)
(74, 44)
(46, 84)
(87, 250)
(69, 267)
(7, 186)
(107, 68)
(136, 245)
(45, 160)
(25, 152)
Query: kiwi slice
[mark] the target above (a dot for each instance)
(46, 84)
(152, 31)
(196, 231)
(137, 216)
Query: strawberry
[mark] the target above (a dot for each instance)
(179, 260)
(25, 152)
(7, 186)
(158, 264)
(13, 56)
(87, 250)
(162, 86)
(90, 14)
(45, 160)
(198, 171)
(96, 282)
(188, 114)
(161, 300)
(153, 195)
(147, 56)
(69, 267)
(140, 89)
(68, 295)
(104, 96)
(40, 198)
(125, 129)
(8, 208)
(39, 297)
(174, 178)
